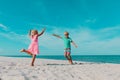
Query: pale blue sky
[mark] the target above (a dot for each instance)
(93, 24)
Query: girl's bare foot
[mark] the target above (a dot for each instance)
(32, 64)
(22, 50)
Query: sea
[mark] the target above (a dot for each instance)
(115, 59)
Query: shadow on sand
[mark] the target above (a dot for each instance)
(68, 64)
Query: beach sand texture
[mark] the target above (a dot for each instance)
(45, 69)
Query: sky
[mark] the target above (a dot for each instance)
(94, 25)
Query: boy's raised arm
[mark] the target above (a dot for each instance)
(74, 44)
(42, 32)
(57, 36)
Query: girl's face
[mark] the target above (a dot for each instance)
(34, 32)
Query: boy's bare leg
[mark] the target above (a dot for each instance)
(23, 50)
(66, 56)
(33, 60)
(70, 58)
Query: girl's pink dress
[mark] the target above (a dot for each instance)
(33, 47)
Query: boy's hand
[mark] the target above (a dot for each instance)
(57, 36)
(76, 46)
(54, 34)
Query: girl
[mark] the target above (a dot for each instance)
(33, 48)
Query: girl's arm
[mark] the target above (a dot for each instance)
(42, 32)
(74, 44)
(29, 33)
(57, 36)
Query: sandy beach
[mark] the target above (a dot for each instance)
(45, 69)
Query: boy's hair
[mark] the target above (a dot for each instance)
(66, 32)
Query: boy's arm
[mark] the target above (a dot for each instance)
(74, 44)
(42, 32)
(57, 36)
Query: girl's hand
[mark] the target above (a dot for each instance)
(29, 32)
(42, 32)
(44, 29)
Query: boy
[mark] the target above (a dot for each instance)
(67, 44)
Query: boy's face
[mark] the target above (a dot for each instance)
(66, 34)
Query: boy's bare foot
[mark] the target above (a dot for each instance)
(22, 50)
(70, 62)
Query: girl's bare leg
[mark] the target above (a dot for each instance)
(33, 56)
(23, 50)
(33, 60)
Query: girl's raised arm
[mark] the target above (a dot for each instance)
(29, 33)
(57, 36)
(42, 32)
